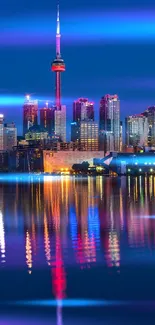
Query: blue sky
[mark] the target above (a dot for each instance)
(108, 47)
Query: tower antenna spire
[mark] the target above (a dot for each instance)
(58, 33)
(58, 64)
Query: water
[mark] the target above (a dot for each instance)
(77, 250)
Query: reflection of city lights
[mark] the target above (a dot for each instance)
(28, 253)
(113, 256)
(47, 241)
(2, 238)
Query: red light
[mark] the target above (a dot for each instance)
(58, 68)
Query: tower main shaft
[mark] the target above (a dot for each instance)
(58, 64)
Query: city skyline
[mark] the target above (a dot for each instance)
(130, 89)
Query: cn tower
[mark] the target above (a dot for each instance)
(58, 64)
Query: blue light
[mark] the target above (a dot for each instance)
(18, 100)
(27, 178)
(147, 217)
(104, 26)
(69, 303)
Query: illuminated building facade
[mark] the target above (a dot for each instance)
(89, 135)
(109, 119)
(1, 132)
(30, 114)
(136, 130)
(129, 163)
(26, 159)
(60, 122)
(150, 114)
(47, 119)
(121, 136)
(10, 136)
(4, 161)
(36, 133)
(83, 110)
(64, 160)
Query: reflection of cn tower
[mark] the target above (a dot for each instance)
(53, 251)
(58, 65)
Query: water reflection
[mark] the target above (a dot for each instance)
(73, 220)
(82, 222)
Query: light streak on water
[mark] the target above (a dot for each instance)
(68, 303)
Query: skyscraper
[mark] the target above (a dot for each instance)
(58, 66)
(47, 118)
(150, 114)
(75, 131)
(109, 121)
(30, 114)
(1, 132)
(83, 110)
(60, 122)
(10, 136)
(89, 135)
(136, 130)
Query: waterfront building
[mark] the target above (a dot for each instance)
(30, 114)
(62, 161)
(26, 159)
(136, 130)
(4, 161)
(1, 132)
(10, 136)
(129, 163)
(89, 135)
(109, 121)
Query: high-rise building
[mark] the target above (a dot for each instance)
(89, 135)
(121, 136)
(109, 120)
(30, 114)
(10, 136)
(83, 110)
(47, 119)
(150, 114)
(75, 131)
(60, 123)
(1, 132)
(136, 130)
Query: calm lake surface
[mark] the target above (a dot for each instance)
(77, 250)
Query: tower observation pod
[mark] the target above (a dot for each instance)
(58, 64)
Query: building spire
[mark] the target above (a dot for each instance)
(58, 33)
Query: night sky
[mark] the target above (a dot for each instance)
(108, 47)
